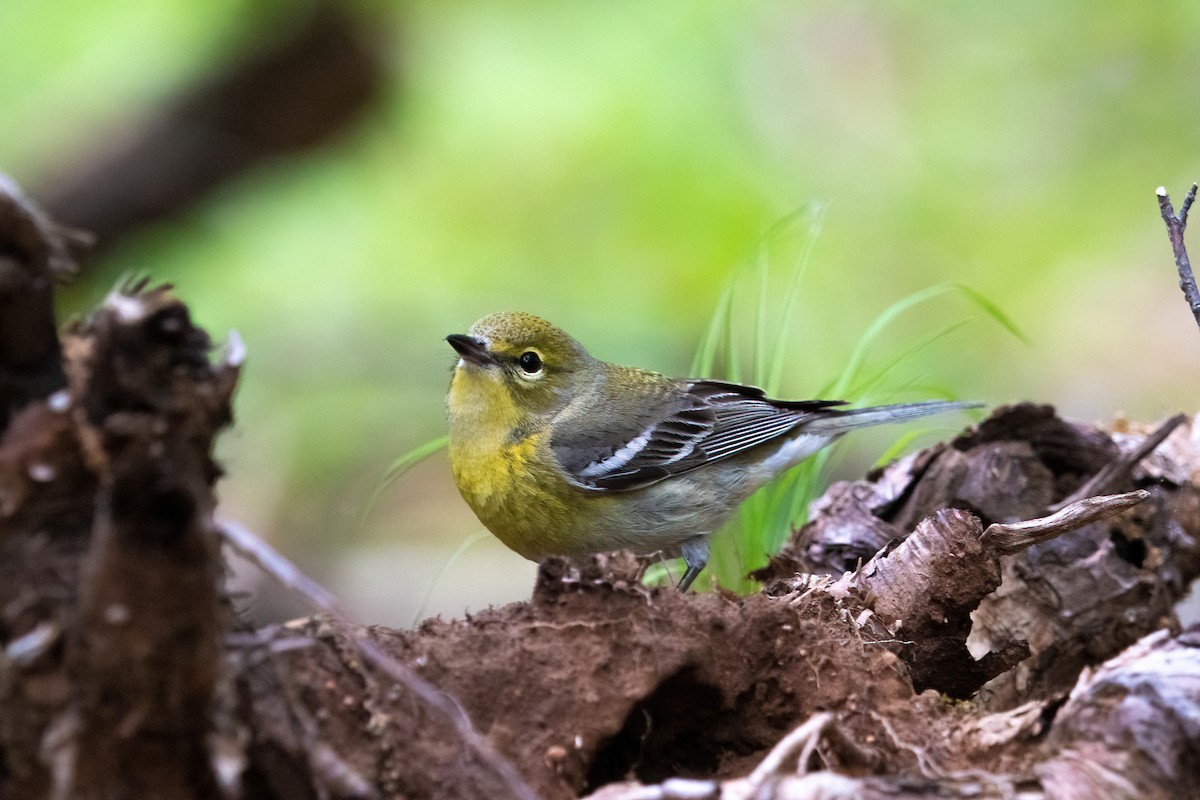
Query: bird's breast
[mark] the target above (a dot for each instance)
(504, 474)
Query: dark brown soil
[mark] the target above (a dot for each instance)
(627, 684)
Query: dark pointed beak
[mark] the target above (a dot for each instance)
(471, 349)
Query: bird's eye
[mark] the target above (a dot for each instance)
(530, 361)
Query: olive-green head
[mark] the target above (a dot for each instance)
(520, 358)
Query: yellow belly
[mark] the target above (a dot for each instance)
(522, 502)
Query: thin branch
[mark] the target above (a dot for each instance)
(275, 564)
(1187, 204)
(1176, 225)
(1012, 537)
(252, 547)
(1120, 468)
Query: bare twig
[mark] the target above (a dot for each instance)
(275, 564)
(1012, 537)
(252, 547)
(1120, 468)
(1176, 225)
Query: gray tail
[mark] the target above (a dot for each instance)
(838, 422)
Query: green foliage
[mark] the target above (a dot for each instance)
(765, 521)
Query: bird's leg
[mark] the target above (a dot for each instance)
(688, 576)
(695, 555)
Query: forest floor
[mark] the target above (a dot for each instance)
(990, 617)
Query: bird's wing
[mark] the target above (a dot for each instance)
(705, 422)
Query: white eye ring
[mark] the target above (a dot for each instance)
(530, 363)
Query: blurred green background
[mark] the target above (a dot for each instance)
(610, 166)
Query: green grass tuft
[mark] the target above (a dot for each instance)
(765, 521)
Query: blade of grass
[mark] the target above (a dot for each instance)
(862, 390)
(733, 362)
(705, 362)
(809, 482)
(395, 471)
(993, 311)
(463, 547)
(661, 573)
(899, 445)
(755, 532)
(415, 456)
(878, 325)
(816, 220)
(758, 351)
(881, 322)
(723, 561)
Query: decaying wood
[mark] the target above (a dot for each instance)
(34, 254)
(1128, 731)
(949, 574)
(1054, 607)
(110, 571)
(1119, 470)
(926, 588)
(146, 647)
(1007, 538)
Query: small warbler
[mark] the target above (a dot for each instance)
(559, 453)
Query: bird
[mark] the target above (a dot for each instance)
(561, 454)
